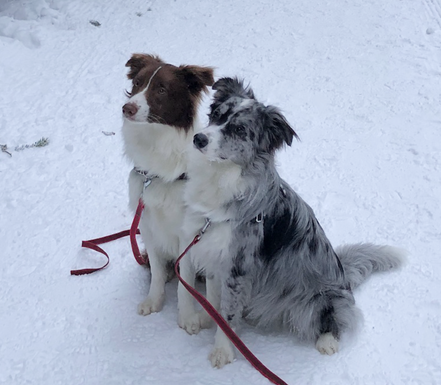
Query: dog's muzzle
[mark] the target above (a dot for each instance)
(200, 140)
(129, 110)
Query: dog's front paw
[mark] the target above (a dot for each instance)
(221, 356)
(191, 323)
(150, 305)
(327, 344)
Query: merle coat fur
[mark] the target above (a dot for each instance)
(266, 253)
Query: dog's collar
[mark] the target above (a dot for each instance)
(257, 219)
(148, 176)
(144, 173)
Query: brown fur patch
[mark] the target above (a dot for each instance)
(174, 92)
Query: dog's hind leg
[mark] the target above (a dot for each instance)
(337, 313)
(327, 343)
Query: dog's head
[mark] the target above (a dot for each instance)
(163, 93)
(241, 128)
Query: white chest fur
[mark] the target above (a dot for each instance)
(211, 185)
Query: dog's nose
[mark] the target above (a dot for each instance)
(129, 109)
(200, 140)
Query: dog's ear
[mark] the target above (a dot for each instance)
(197, 78)
(227, 87)
(277, 130)
(138, 61)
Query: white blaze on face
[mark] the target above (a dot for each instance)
(214, 135)
(213, 132)
(140, 100)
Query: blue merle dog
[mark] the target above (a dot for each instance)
(265, 256)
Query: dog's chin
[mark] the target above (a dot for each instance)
(134, 121)
(218, 159)
(210, 156)
(201, 150)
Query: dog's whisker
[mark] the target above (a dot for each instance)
(157, 119)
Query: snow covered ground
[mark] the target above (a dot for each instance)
(361, 82)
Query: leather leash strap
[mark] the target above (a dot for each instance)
(133, 231)
(220, 321)
(93, 244)
(234, 338)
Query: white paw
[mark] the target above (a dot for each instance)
(327, 344)
(219, 357)
(190, 323)
(150, 305)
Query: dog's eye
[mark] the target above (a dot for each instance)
(136, 83)
(239, 129)
(161, 90)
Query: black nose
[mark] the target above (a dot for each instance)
(200, 140)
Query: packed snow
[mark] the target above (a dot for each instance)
(359, 80)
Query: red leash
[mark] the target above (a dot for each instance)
(234, 338)
(93, 244)
(133, 231)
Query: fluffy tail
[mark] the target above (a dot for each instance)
(362, 259)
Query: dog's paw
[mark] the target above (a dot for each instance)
(327, 344)
(221, 356)
(150, 306)
(191, 323)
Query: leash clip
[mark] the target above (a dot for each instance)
(147, 182)
(204, 229)
(148, 178)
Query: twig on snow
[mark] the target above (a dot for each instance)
(4, 148)
(39, 143)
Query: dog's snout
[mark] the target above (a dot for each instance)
(129, 110)
(200, 140)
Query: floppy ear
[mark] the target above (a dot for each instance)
(197, 78)
(277, 129)
(138, 61)
(227, 87)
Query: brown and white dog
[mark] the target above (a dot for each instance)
(159, 123)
